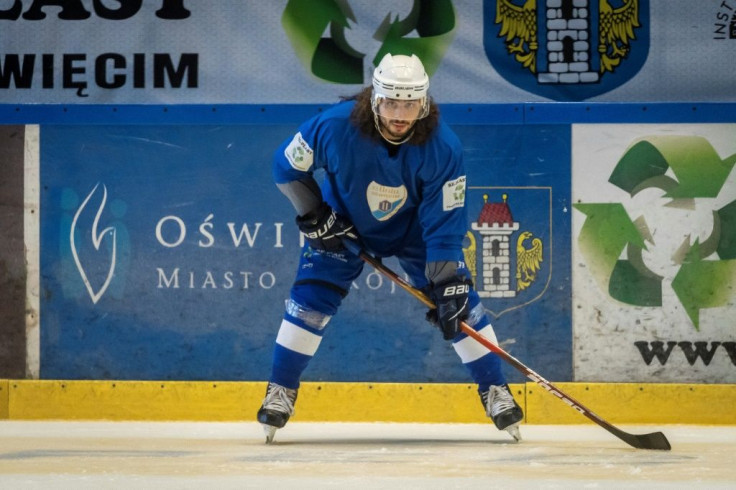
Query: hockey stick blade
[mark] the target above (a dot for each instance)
(654, 440)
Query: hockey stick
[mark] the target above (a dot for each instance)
(654, 440)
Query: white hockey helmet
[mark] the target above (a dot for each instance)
(401, 77)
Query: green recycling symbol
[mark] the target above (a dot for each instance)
(608, 230)
(333, 59)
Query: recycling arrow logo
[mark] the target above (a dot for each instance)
(431, 23)
(685, 169)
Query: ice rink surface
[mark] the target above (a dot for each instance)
(213, 456)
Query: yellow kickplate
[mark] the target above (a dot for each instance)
(224, 401)
(618, 403)
(3, 399)
(634, 403)
(393, 402)
(134, 400)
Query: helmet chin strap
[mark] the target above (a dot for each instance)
(376, 121)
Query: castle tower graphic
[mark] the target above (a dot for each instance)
(495, 224)
(569, 53)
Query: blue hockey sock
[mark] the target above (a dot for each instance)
(288, 366)
(298, 339)
(484, 366)
(486, 371)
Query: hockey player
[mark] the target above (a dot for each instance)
(394, 180)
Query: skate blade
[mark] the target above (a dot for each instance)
(270, 431)
(513, 429)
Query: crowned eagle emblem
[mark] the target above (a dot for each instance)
(616, 32)
(528, 260)
(469, 255)
(519, 27)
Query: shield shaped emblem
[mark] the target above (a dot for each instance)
(508, 249)
(566, 50)
(385, 201)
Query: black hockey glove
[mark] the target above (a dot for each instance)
(451, 299)
(324, 229)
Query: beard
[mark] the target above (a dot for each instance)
(396, 129)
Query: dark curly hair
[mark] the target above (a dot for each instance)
(362, 117)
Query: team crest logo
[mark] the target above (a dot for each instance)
(566, 49)
(508, 246)
(385, 201)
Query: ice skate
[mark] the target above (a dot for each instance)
(501, 407)
(277, 407)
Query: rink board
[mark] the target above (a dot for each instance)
(360, 402)
(167, 253)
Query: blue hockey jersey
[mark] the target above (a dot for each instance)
(414, 198)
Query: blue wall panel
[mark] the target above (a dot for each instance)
(140, 187)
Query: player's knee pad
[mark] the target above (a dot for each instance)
(317, 295)
(311, 318)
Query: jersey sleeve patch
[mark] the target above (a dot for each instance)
(453, 194)
(299, 154)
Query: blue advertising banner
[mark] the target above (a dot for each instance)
(167, 253)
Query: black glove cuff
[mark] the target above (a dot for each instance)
(311, 220)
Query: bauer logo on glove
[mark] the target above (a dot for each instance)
(451, 300)
(456, 289)
(324, 229)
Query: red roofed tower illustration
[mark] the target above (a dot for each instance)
(495, 225)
